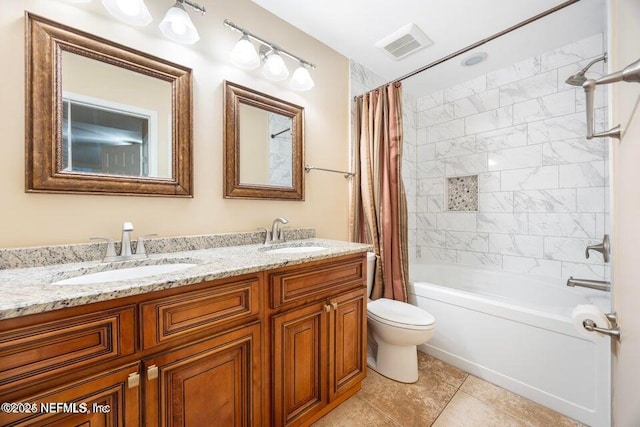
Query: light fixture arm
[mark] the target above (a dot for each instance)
(193, 5)
(631, 73)
(264, 42)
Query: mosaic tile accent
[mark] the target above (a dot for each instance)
(462, 193)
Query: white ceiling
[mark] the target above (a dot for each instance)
(352, 27)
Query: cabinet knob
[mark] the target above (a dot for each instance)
(327, 308)
(134, 380)
(152, 372)
(334, 305)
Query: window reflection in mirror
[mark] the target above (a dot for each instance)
(107, 128)
(265, 147)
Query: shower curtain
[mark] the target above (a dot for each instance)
(378, 202)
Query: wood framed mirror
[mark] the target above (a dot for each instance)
(102, 118)
(263, 146)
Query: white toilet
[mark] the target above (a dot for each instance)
(395, 329)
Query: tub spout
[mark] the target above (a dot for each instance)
(600, 285)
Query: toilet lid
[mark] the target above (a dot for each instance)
(397, 312)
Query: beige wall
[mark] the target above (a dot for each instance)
(36, 219)
(626, 186)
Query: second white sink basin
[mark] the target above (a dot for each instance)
(124, 274)
(296, 249)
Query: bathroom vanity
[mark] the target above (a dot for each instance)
(244, 338)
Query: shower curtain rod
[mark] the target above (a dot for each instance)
(483, 41)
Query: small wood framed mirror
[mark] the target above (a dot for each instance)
(103, 118)
(263, 146)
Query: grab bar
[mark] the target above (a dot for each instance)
(631, 73)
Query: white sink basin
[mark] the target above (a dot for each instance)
(297, 249)
(124, 274)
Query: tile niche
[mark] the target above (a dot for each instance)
(462, 193)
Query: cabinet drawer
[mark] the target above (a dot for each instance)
(35, 353)
(317, 281)
(171, 317)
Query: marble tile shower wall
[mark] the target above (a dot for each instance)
(543, 188)
(363, 80)
(280, 150)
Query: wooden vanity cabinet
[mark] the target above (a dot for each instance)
(319, 347)
(274, 348)
(166, 358)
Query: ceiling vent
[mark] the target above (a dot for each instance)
(407, 40)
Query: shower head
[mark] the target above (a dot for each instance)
(579, 78)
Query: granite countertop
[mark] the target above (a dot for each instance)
(30, 290)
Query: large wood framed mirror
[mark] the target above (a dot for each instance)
(263, 146)
(102, 118)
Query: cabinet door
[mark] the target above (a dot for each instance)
(111, 399)
(348, 351)
(300, 363)
(215, 382)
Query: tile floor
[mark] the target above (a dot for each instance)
(444, 396)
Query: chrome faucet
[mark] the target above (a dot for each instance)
(276, 235)
(126, 253)
(599, 285)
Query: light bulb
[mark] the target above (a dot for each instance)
(275, 68)
(177, 26)
(244, 54)
(133, 12)
(301, 79)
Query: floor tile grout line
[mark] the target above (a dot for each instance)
(379, 411)
(513, 415)
(451, 398)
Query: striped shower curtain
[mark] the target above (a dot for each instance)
(378, 201)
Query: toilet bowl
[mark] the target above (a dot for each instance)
(395, 329)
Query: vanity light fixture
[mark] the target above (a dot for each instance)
(132, 12)
(274, 68)
(177, 25)
(301, 79)
(244, 54)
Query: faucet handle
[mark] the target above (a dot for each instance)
(127, 226)
(140, 249)
(281, 233)
(111, 247)
(603, 248)
(267, 238)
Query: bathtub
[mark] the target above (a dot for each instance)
(516, 331)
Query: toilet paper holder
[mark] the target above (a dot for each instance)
(614, 331)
